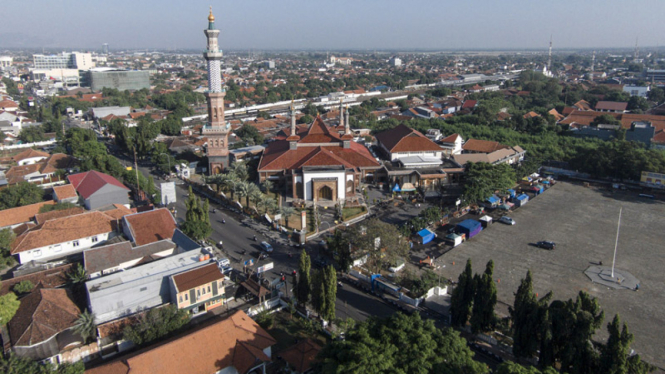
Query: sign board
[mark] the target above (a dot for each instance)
(168, 193)
(249, 262)
(264, 268)
(458, 202)
(655, 180)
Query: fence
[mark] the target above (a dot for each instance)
(274, 304)
(27, 145)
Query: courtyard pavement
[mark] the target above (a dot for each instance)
(582, 222)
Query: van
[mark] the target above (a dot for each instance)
(266, 247)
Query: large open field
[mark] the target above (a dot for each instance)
(582, 222)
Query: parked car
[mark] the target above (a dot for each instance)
(222, 262)
(226, 269)
(546, 245)
(266, 247)
(507, 220)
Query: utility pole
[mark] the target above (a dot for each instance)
(616, 243)
(549, 59)
(138, 184)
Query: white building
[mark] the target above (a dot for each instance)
(641, 91)
(6, 61)
(395, 61)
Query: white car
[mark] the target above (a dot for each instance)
(507, 220)
(223, 262)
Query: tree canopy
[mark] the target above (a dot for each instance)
(399, 344)
(20, 194)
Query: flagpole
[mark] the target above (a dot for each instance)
(616, 243)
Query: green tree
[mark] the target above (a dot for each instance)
(242, 189)
(528, 315)
(8, 306)
(85, 326)
(638, 102)
(330, 293)
(510, 367)
(317, 291)
(14, 364)
(303, 285)
(248, 132)
(21, 194)
(483, 179)
(461, 299)
(156, 324)
(338, 244)
(197, 218)
(32, 134)
(23, 287)
(77, 275)
(381, 241)
(656, 94)
(170, 126)
(398, 344)
(605, 119)
(482, 314)
(6, 239)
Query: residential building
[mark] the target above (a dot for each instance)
(198, 290)
(65, 60)
(395, 61)
(42, 325)
(65, 236)
(6, 61)
(65, 194)
(403, 141)
(641, 91)
(149, 227)
(231, 346)
(108, 259)
(98, 189)
(654, 75)
(611, 106)
(13, 217)
(452, 145)
(302, 356)
(42, 170)
(317, 164)
(29, 156)
(140, 288)
(118, 111)
(475, 150)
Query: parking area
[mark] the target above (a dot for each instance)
(582, 221)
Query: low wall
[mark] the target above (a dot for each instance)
(27, 145)
(274, 305)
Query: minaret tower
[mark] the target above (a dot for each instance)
(216, 129)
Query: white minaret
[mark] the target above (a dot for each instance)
(341, 112)
(593, 63)
(216, 130)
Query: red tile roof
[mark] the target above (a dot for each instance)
(405, 139)
(41, 315)
(237, 341)
(14, 216)
(92, 181)
(65, 192)
(611, 105)
(450, 139)
(470, 104)
(482, 146)
(151, 226)
(197, 277)
(29, 153)
(302, 355)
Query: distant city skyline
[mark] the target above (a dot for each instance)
(333, 25)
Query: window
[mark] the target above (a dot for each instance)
(204, 290)
(94, 239)
(143, 289)
(198, 293)
(180, 299)
(37, 253)
(75, 243)
(186, 297)
(208, 288)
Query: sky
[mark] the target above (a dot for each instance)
(333, 24)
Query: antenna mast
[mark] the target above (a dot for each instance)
(549, 58)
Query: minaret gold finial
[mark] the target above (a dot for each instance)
(211, 18)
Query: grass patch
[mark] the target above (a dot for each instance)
(348, 213)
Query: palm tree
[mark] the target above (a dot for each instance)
(85, 326)
(255, 195)
(217, 180)
(77, 275)
(240, 171)
(286, 212)
(242, 190)
(266, 185)
(229, 182)
(270, 204)
(252, 190)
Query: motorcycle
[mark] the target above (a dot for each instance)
(255, 239)
(223, 221)
(290, 254)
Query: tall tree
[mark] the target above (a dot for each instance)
(462, 297)
(317, 291)
(330, 293)
(381, 241)
(525, 340)
(484, 301)
(85, 326)
(304, 281)
(21, 194)
(398, 344)
(8, 306)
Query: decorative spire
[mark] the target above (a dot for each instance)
(211, 18)
(347, 123)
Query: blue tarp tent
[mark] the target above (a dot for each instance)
(426, 236)
(511, 192)
(493, 199)
(396, 188)
(469, 227)
(521, 199)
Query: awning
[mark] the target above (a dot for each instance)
(493, 199)
(408, 187)
(396, 188)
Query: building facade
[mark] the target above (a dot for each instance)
(198, 290)
(119, 79)
(216, 130)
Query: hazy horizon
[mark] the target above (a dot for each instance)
(340, 25)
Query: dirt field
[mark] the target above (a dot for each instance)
(582, 222)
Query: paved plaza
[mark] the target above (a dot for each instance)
(582, 222)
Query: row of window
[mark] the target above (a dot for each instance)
(58, 247)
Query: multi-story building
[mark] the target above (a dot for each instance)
(65, 60)
(117, 78)
(198, 290)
